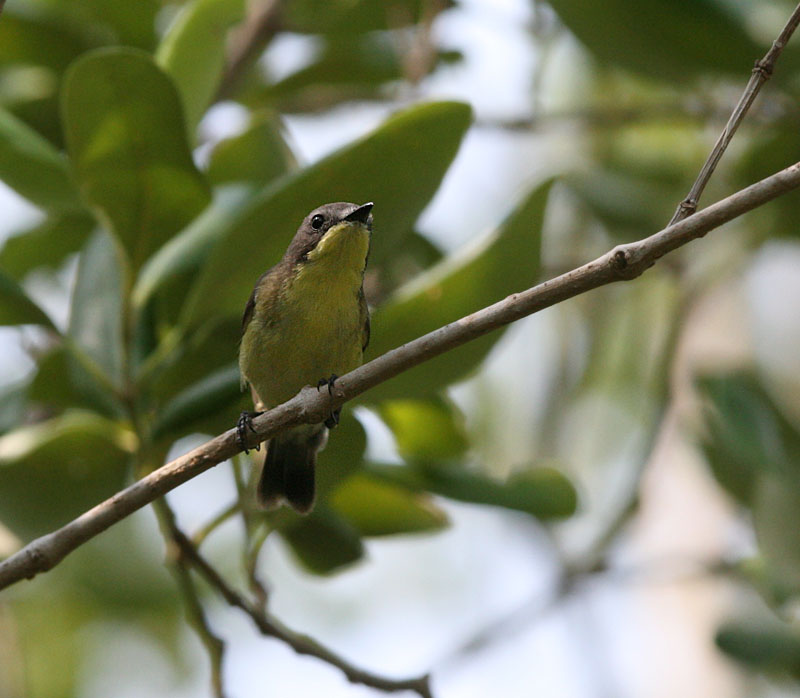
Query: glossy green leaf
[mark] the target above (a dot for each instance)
(36, 35)
(185, 252)
(212, 395)
(379, 508)
(542, 492)
(483, 273)
(746, 434)
(66, 377)
(663, 38)
(425, 430)
(31, 166)
(119, 22)
(256, 156)
(766, 644)
(343, 455)
(323, 542)
(46, 244)
(127, 143)
(399, 167)
(55, 470)
(16, 307)
(96, 312)
(193, 51)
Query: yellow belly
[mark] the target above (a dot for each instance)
(313, 331)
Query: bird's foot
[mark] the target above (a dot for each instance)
(246, 422)
(333, 418)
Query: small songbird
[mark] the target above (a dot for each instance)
(306, 323)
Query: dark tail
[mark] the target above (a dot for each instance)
(288, 474)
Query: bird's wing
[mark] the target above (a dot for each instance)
(364, 310)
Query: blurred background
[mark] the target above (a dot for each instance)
(601, 500)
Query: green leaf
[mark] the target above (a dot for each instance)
(185, 252)
(16, 308)
(35, 35)
(776, 520)
(126, 140)
(96, 312)
(212, 395)
(119, 22)
(46, 244)
(542, 492)
(343, 456)
(425, 430)
(356, 16)
(663, 38)
(399, 167)
(66, 377)
(323, 542)
(484, 273)
(13, 404)
(379, 508)
(765, 644)
(55, 470)
(33, 168)
(746, 434)
(256, 156)
(193, 51)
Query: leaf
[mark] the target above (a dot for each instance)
(128, 23)
(126, 140)
(185, 252)
(484, 273)
(257, 156)
(776, 520)
(35, 35)
(323, 542)
(765, 644)
(46, 244)
(67, 378)
(542, 492)
(55, 470)
(425, 430)
(669, 39)
(192, 52)
(33, 168)
(379, 508)
(212, 395)
(96, 311)
(343, 456)
(746, 433)
(16, 308)
(398, 166)
(356, 16)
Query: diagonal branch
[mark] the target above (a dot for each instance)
(272, 627)
(762, 71)
(311, 406)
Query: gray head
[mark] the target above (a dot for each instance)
(317, 223)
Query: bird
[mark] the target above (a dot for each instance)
(306, 323)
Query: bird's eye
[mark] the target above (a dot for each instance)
(317, 221)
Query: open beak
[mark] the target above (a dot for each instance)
(361, 214)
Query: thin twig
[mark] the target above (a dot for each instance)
(247, 44)
(302, 644)
(311, 406)
(194, 608)
(761, 73)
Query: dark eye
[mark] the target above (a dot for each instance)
(317, 221)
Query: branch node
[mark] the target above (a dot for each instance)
(763, 68)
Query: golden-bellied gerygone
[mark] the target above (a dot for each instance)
(305, 323)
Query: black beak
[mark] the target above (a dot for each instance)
(361, 214)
